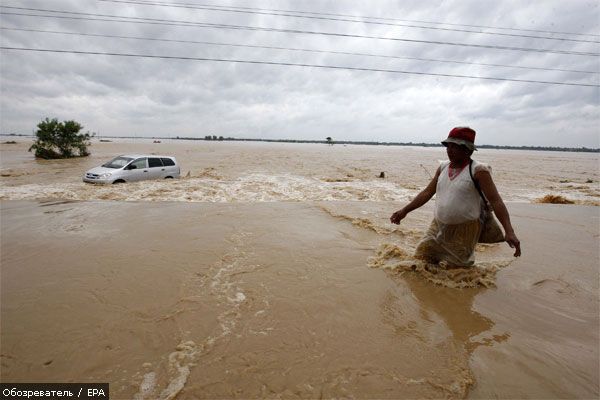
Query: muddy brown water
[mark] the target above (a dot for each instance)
(273, 282)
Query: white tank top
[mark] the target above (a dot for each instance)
(457, 200)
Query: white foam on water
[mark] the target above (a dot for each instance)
(257, 187)
(247, 188)
(146, 387)
(178, 370)
(239, 297)
(230, 299)
(180, 362)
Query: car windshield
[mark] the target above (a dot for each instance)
(118, 162)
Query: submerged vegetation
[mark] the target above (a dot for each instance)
(60, 140)
(554, 199)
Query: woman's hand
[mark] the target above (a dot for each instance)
(491, 193)
(514, 243)
(398, 216)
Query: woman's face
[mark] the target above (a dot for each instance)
(457, 153)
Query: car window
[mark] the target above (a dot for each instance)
(118, 162)
(154, 162)
(167, 162)
(139, 163)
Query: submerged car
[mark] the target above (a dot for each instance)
(134, 167)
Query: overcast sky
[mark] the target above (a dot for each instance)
(127, 96)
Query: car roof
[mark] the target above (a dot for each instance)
(145, 155)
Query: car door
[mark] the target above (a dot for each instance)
(171, 169)
(156, 167)
(137, 170)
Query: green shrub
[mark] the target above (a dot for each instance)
(60, 140)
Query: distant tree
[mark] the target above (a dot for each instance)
(60, 140)
(207, 137)
(221, 138)
(329, 140)
(214, 137)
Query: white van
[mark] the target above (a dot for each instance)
(134, 167)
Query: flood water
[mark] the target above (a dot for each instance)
(272, 271)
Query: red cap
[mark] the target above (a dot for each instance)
(463, 132)
(462, 135)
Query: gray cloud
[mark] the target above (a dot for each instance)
(154, 97)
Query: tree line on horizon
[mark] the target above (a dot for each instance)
(328, 140)
(58, 140)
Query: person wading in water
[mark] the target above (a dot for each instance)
(457, 222)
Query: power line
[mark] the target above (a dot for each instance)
(379, 18)
(337, 67)
(202, 7)
(294, 49)
(156, 21)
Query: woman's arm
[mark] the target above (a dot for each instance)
(422, 198)
(488, 187)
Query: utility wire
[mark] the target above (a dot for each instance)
(294, 49)
(337, 67)
(203, 7)
(368, 17)
(157, 21)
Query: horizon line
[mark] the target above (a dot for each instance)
(333, 142)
